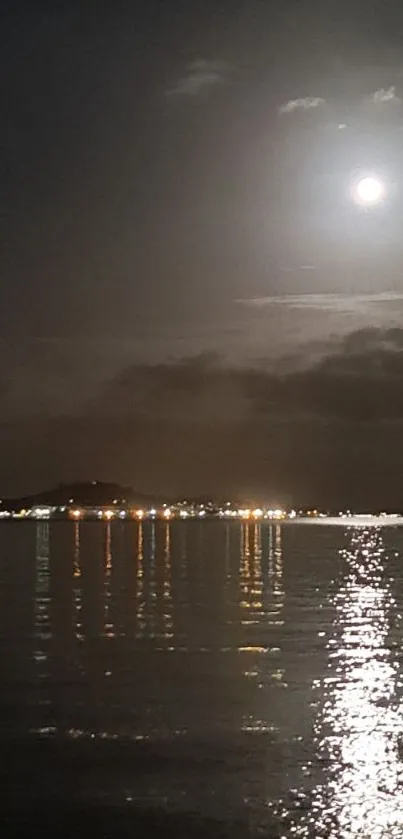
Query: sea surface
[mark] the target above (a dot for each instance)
(201, 679)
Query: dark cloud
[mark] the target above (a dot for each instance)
(199, 389)
(371, 339)
(330, 434)
(310, 436)
(362, 380)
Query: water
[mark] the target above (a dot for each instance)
(205, 678)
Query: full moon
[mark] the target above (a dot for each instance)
(369, 190)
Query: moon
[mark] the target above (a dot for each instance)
(369, 191)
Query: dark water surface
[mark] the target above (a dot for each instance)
(201, 679)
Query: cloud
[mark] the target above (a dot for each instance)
(200, 76)
(361, 379)
(381, 96)
(370, 338)
(306, 103)
(316, 435)
(387, 94)
(337, 303)
(199, 389)
(328, 434)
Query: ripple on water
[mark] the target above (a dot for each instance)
(247, 673)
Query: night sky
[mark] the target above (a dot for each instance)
(191, 300)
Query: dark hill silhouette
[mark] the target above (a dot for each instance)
(91, 493)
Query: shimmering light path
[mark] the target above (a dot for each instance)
(245, 672)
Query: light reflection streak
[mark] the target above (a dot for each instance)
(227, 566)
(140, 582)
(278, 566)
(257, 569)
(108, 623)
(77, 589)
(167, 585)
(50, 731)
(152, 585)
(231, 587)
(182, 625)
(261, 598)
(42, 597)
(360, 724)
(273, 588)
(263, 585)
(245, 576)
(183, 565)
(270, 558)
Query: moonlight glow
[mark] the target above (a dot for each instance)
(369, 191)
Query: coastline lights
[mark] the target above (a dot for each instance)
(167, 513)
(276, 514)
(257, 514)
(41, 512)
(140, 514)
(76, 514)
(109, 514)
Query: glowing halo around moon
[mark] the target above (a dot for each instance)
(369, 191)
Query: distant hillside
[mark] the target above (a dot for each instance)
(92, 493)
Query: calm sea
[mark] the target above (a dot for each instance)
(201, 679)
